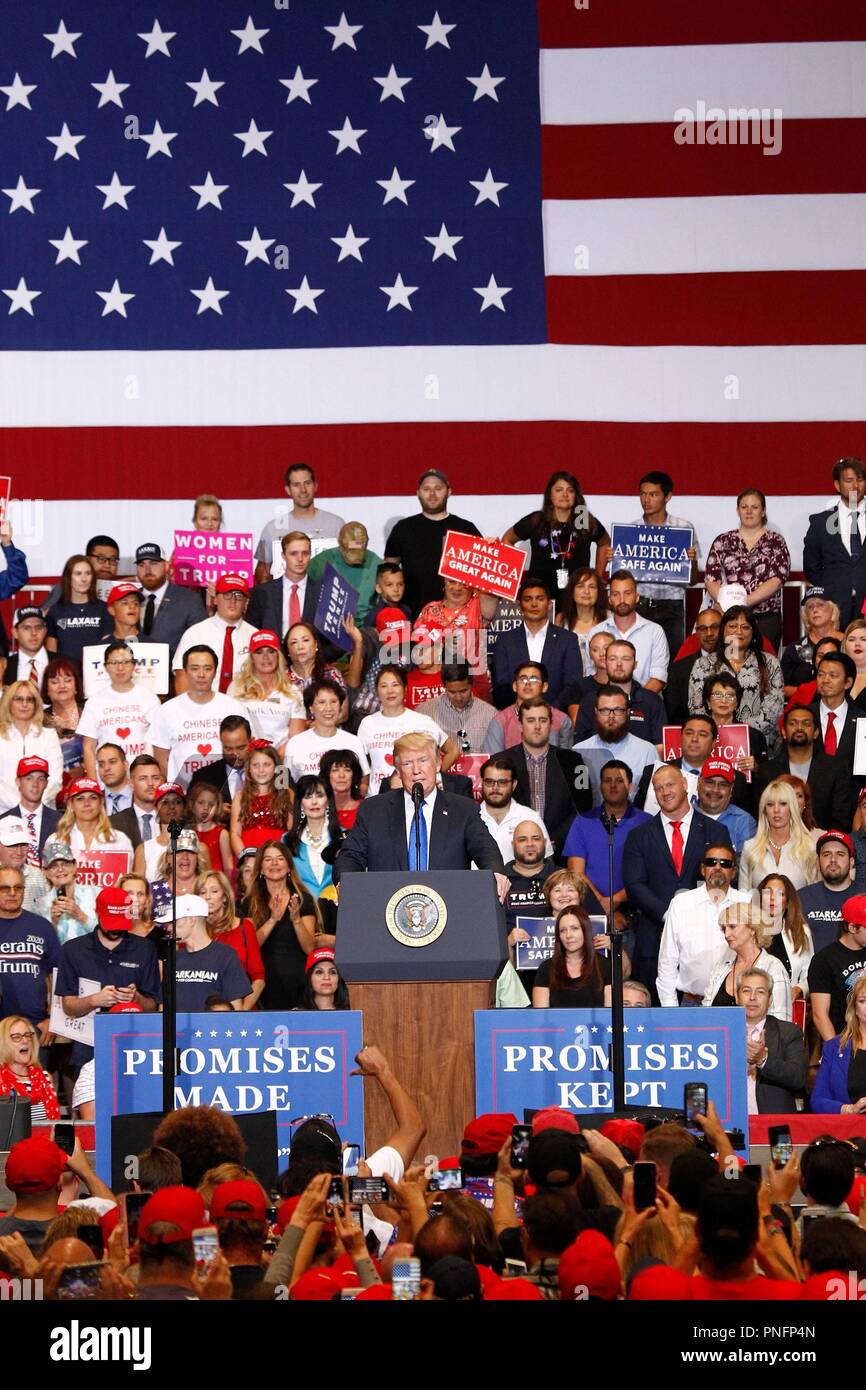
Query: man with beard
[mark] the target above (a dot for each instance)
(416, 542)
(646, 717)
(833, 795)
(647, 638)
(613, 740)
(715, 786)
(528, 869)
(124, 967)
(822, 902)
(692, 944)
(555, 782)
(500, 812)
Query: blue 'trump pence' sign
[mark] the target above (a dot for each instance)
(653, 554)
(293, 1063)
(337, 600)
(528, 1060)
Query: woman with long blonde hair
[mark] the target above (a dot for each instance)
(272, 704)
(782, 843)
(839, 1086)
(23, 735)
(84, 824)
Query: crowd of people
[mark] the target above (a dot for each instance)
(720, 766)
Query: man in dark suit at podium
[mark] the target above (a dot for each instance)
(452, 833)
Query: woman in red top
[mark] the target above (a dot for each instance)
(224, 925)
(341, 771)
(19, 1072)
(259, 809)
(204, 805)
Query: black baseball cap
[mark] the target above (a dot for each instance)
(149, 551)
(28, 611)
(435, 473)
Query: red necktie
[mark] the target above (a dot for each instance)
(677, 845)
(227, 668)
(294, 607)
(33, 675)
(830, 742)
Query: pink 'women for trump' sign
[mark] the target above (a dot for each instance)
(201, 557)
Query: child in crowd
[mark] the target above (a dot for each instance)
(260, 808)
(204, 805)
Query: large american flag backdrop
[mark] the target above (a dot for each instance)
(385, 234)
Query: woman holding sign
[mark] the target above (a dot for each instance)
(561, 534)
(63, 700)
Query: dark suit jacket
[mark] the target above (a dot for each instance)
(783, 1075)
(265, 608)
(845, 751)
(179, 609)
(49, 822)
(560, 654)
(742, 795)
(833, 793)
(377, 840)
(127, 821)
(676, 692)
(827, 562)
(567, 789)
(651, 880)
(453, 782)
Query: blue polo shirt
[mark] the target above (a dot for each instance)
(587, 839)
(132, 962)
(29, 951)
(214, 970)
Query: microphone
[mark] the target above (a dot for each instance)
(174, 828)
(417, 794)
(609, 822)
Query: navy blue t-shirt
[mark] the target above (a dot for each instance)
(214, 970)
(822, 909)
(76, 626)
(132, 962)
(29, 951)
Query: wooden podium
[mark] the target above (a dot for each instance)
(418, 985)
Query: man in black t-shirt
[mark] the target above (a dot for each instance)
(417, 541)
(822, 901)
(835, 968)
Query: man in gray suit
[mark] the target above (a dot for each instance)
(775, 1050)
(168, 609)
(453, 836)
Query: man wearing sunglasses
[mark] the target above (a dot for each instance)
(692, 945)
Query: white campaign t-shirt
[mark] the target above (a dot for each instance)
(379, 732)
(304, 752)
(191, 733)
(270, 718)
(123, 718)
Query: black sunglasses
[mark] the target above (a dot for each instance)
(719, 863)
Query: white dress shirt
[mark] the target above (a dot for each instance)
(535, 641)
(40, 661)
(845, 520)
(427, 813)
(212, 632)
(685, 826)
(841, 713)
(503, 831)
(692, 942)
(650, 644)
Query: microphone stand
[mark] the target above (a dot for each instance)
(617, 1050)
(169, 985)
(417, 801)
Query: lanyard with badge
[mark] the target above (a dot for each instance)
(561, 556)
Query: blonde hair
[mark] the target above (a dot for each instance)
(747, 915)
(105, 831)
(6, 705)
(6, 1046)
(225, 1172)
(413, 743)
(205, 864)
(800, 842)
(851, 1032)
(226, 919)
(148, 896)
(206, 499)
(247, 686)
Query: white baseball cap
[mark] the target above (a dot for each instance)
(187, 905)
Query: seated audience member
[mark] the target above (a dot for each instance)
(731, 1232)
(715, 788)
(226, 926)
(124, 613)
(378, 733)
(691, 945)
(635, 995)
(840, 1087)
(647, 638)
(530, 682)
(458, 711)
(324, 987)
(586, 845)
(499, 811)
(14, 849)
(646, 713)
(84, 824)
(537, 639)
(300, 485)
(31, 779)
(286, 922)
(78, 618)
(24, 734)
(820, 619)
(34, 1169)
(20, 1072)
(575, 977)
(204, 966)
(613, 740)
(28, 663)
(553, 781)
(262, 809)
(791, 939)
(833, 794)
(322, 701)
(740, 652)
(835, 967)
(112, 771)
(274, 707)
(342, 774)
(744, 932)
(315, 837)
(389, 589)
(775, 1049)
(822, 900)
(70, 907)
(781, 842)
(124, 705)
(826, 1177)
(185, 731)
(705, 640)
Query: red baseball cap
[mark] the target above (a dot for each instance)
(232, 584)
(589, 1263)
(554, 1117)
(82, 785)
(31, 764)
(114, 909)
(629, 1134)
(323, 953)
(660, 1284)
(125, 589)
(425, 633)
(242, 1199)
(34, 1165)
(321, 1284)
(163, 790)
(718, 767)
(179, 1206)
(264, 638)
(131, 1007)
(831, 1284)
(487, 1133)
(839, 835)
(374, 1293)
(285, 1212)
(854, 910)
(513, 1291)
(391, 620)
